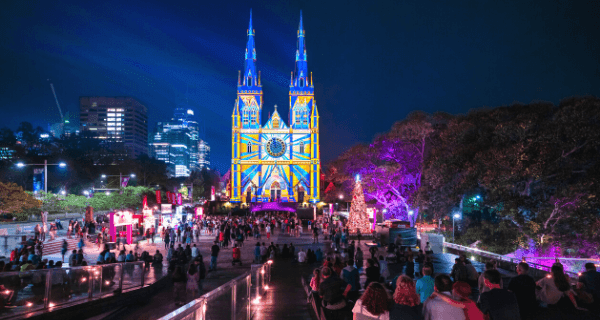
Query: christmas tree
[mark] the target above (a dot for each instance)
(357, 218)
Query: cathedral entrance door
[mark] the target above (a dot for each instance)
(275, 192)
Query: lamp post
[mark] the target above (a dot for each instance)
(45, 164)
(454, 217)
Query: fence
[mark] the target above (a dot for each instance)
(512, 262)
(49, 289)
(234, 300)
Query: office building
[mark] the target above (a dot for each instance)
(121, 123)
(178, 143)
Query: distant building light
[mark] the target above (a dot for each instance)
(190, 112)
(44, 135)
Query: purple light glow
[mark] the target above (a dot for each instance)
(273, 206)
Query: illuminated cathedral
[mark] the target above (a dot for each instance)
(275, 162)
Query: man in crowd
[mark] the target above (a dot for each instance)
(214, 253)
(523, 286)
(437, 309)
(425, 285)
(590, 282)
(498, 303)
(333, 290)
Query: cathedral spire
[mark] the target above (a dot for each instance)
(250, 76)
(301, 75)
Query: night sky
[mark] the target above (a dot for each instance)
(373, 61)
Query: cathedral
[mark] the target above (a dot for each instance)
(275, 162)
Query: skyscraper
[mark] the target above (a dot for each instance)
(177, 142)
(121, 123)
(275, 161)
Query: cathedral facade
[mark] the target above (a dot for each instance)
(277, 161)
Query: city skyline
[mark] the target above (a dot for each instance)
(375, 63)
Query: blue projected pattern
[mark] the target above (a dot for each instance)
(275, 147)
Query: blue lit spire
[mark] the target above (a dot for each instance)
(301, 76)
(250, 76)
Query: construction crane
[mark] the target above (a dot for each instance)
(62, 118)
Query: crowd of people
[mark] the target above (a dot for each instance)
(462, 294)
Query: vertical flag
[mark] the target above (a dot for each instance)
(124, 182)
(212, 193)
(179, 199)
(145, 201)
(158, 197)
(169, 197)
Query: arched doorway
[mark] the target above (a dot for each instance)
(275, 191)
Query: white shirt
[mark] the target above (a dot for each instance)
(438, 309)
(361, 312)
(194, 252)
(301, 256)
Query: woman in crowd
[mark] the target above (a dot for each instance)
(373, 304)
(316, 280)
(193, 277)
(556, 291)
(407, 303)
(462, 291)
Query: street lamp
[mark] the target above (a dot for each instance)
(86, 193)
(45, 164)
(454, 217)
(63, 192)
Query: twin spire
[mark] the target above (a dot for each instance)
(251, 78)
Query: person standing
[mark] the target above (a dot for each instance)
(407, 304)
(333, 290)
(179, 285)
(315, 234)
(63, 250)
(436, 308)
(481, 281)
(193, 279)
(351, 276)
(425, 285)
(523, 286)
(498, 303)
(214, 253)
(373, 304)
(590, 282)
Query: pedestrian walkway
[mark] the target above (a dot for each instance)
(285, 298)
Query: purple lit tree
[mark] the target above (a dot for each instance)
(390, 167)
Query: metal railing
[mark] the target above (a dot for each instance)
(512, 260)
(50, 289)
(235, 300)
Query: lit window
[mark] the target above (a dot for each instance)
(110, 114)
(249, 148)
(245, 117)
(110, 124)
(253, 116)
(110, 119)
(301, 147)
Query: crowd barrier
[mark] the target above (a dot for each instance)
(47, 290)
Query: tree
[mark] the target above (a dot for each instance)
(536, 167)
(357, 218)
(15, 201)
(7, 137)
(391, 167)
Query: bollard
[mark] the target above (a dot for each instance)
(248, 296)
(233, 300)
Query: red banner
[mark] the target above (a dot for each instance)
(145, 201)
(158, 197)
(179, 199)
(169, 197)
